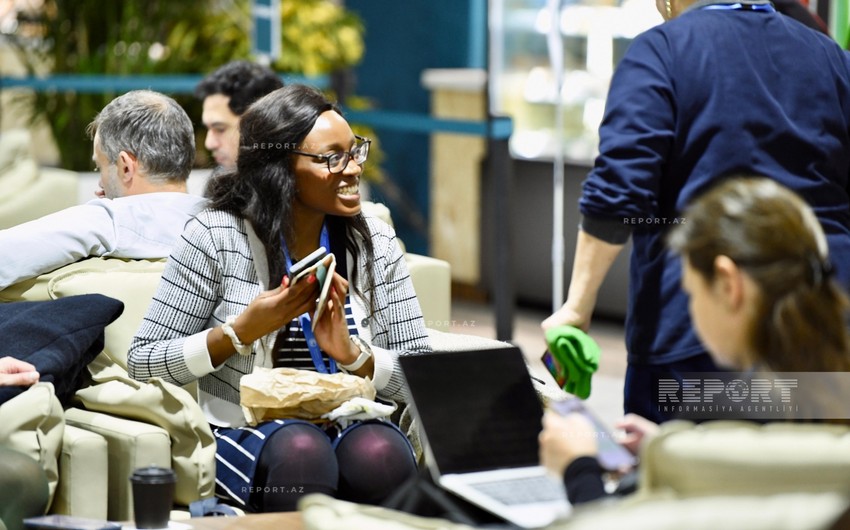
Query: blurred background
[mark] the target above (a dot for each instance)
(471, 104)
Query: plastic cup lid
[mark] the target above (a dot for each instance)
(153, 474)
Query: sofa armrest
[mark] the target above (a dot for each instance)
(786, 511)
(130, 444)
(83, 470)
(432, 282)
(741, 458)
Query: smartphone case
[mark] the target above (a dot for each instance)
(307, 265)
(324, 274)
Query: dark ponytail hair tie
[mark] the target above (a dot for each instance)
(821, 270)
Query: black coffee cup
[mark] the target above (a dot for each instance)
(153, 496)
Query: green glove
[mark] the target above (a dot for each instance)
(578, 354)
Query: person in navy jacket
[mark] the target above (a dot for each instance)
(719, 88)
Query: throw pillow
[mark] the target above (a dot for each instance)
(169, 407)
(59, 337)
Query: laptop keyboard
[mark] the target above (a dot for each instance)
(521, 490)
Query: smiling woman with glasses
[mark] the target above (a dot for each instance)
(338, 161)
(226, 306)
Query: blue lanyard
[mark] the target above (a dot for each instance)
(750, 7)
(304, 320)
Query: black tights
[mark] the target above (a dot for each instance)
(368, 463)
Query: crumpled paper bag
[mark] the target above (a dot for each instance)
(287, 393)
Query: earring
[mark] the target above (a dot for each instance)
(668, 8)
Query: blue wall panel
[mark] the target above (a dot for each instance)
(402, 39)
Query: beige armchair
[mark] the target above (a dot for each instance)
(121, 424)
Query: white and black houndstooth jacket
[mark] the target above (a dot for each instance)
(217, 268)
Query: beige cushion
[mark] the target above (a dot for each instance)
(737, 457)
(376, 209)
(83, 475)
(432, 282)
(134, 282)
(33, 423)
(789, 511)
(321, 512)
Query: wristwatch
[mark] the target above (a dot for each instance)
(365, 354)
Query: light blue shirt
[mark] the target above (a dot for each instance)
(144, 226)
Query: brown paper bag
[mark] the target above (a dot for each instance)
(285, 393)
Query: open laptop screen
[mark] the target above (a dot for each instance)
(477, 409)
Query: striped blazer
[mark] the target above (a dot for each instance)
(217, 268)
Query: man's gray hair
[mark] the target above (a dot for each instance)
(153, 128)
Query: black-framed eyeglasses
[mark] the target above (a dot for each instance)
(337, 162)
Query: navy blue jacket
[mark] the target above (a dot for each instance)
(59, 337)
(710, 93)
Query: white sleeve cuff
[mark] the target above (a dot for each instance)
(384, 366)
(196, 355)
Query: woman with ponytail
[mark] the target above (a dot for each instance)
(756, 269)
(226, 305)
(762, 299)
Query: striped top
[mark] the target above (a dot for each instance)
(216, 269)
(291, 350)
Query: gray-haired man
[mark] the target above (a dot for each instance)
(144, 148)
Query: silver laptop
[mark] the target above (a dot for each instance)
(479, 418)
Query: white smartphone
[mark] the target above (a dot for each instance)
(305, 266)
(324, 274)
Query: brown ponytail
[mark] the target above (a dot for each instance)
(769, 232)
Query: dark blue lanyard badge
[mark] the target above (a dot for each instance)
(306, 325)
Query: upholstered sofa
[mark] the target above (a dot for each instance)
(28, 190)
(89, 450)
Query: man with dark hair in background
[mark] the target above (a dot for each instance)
(796, 10)
(227, 93)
